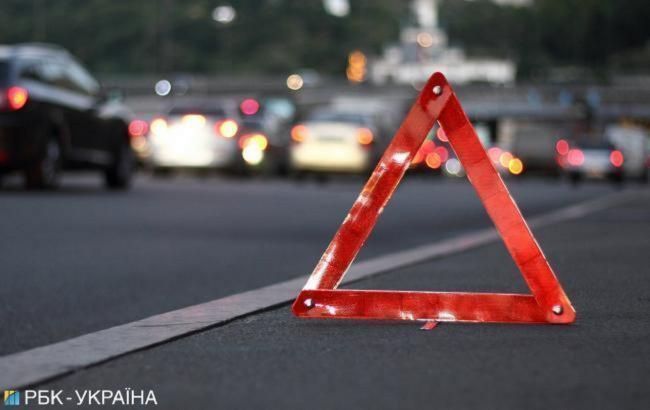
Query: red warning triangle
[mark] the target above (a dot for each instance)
(320, 297)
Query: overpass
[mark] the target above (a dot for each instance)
(553, 102)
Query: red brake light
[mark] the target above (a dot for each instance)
(138, 128)
(427, 147)
(576, 157)
(616, 158)
(442, 153)
(562, 147)
(227, 128)
(494, 153)
(364, 136)
(249, 106)
(433, 160)
(17, 98)
(442, 135)
(299, 133)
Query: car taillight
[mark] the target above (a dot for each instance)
(443, 153)
(299, 133)
(515, 166)
(138, 128)
(616, 158)
(494, 153)
(364, 136)
(158, 126)
(505, 158)
(442, 136)
(575, 157)
(227, 128)
(562, 147)
(426, 148)
(256, 141)
(433, 160)
(17, 98)
(249, 106)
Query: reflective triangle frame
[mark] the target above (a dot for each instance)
(547, 302)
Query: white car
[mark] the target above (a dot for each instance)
(195, 135)
(331, 141)
(590, 159)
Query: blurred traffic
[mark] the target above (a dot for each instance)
(55, 116)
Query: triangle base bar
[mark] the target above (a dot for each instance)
(438, 306)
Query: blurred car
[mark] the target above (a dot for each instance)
(197, 134)
(337, 141)
(505, 162)
(139, 132)
(590, 159)
(634, 144)
(54, 115)
(437, 155)
(264, 138)
(431, 157)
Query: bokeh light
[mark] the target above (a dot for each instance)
(295, 82)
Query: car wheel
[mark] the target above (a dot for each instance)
(618, 179)
(46, 172)
(575, 179)
(119, 174)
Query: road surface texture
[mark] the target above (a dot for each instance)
(273, 360)
(84, 259)
(81, 260)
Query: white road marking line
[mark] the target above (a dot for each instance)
(43, 363)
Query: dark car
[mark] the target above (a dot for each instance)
(197, 134)
(54, 116)
(266, 124)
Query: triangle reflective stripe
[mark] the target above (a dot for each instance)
(320, 299)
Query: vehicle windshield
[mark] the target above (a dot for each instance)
(332, 116)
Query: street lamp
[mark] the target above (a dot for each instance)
(224, 14)
(337, 8)
(163, 87)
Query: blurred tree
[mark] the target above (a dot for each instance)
(587, 33)
(277, 36)
(269, 36)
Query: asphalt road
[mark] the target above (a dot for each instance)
(273, 360)
(83, 259)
